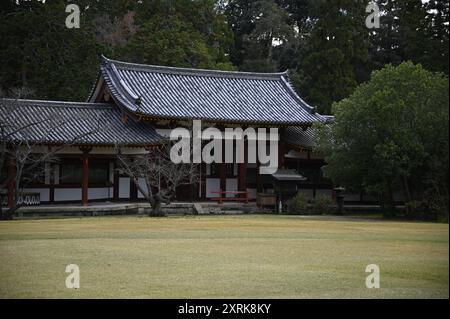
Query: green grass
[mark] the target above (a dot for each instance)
(253, 256)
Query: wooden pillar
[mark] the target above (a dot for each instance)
(116, 183)
(223, 177)
(85, 178)
(133, 191)
(242, 172)
(258, 175)
(11, 181)
(203, 181)
(242, 181)
(51, 198)
(223, 171)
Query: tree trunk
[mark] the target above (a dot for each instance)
(8, 214)
(156, 210)
(406, 189)
(388, 205)
(407, 194)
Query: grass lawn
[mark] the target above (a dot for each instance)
(251, 256)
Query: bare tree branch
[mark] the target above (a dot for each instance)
(161, 176)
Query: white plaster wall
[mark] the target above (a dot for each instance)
(44, 193)
(99, 193)
(124, 187)
(212, 185)
(231, 186)
(62, 194)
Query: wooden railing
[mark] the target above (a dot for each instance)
(222, 196)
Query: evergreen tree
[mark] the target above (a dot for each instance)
(391, 135)
(412, 30)
(260, 27)
(337, 52)
(39, 52)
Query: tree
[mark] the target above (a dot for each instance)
(38, 51)
(21, 163)
(411, 30)
(260, 26)
(171, 41)
(391, 135)
(337, 49)
(180, 33)
(156, 177)
(271, 29)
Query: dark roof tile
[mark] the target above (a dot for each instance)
(72, 122)
(221, 96)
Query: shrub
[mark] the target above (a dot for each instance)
(322, 205)
(423, 210)
(298, 205)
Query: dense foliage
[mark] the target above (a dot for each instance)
(325, 44)
(391, 135)
(37, 51)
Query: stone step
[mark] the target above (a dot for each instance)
(233, 212)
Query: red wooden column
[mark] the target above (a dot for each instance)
(85, 179)
(223, 177)
(258, 175)
(116, 183)
(203, 181)
(11, 181)
(242, 172)
(242, 182)
(223, 171)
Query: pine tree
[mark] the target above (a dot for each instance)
(337, 52)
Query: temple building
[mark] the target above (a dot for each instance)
(133, 107)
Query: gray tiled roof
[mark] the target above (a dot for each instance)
(296, 136)
(220, 96)
(288, 175)
(56, 122)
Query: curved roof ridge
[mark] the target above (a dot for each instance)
(55, 122)
(224, 96)
(194, 71)
(53, 103)
(288, 84)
